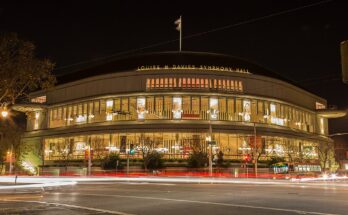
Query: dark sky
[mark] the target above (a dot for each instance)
(302, 45)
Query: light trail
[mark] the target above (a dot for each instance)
(38, 185)
(62, 181)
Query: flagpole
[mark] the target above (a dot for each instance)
(180, 33)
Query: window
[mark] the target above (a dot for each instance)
(96, 107)
(195, 104)
(125, 104)
(185, 82)
(148, 84)
(39, 99)
(109, 105)
(186, 104)
(319, 106)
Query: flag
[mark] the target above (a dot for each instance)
(178, 24)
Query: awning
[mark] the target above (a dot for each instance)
(30, 107)
(327, 113)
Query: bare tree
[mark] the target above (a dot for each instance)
(65, 151)
(326, 154)
(147, 149)
(20, 70)
(291, 150)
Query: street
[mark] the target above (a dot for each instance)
(180, 198)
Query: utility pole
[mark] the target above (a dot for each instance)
(11, 160)
(209, 141)
(128, 159)
(89, 158)
(255, 151)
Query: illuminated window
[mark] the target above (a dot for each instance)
(162, 83)
(232, 85)
(166, 82)
(153, 83)
(322, 127)
(39, 99)
(240, 86)
(157, 83)
(96, 107)
(125, 104)
(218, 84)
(109, 105)
(147, 83)
(59, 116)
(170, 82)
(319, 106)
(36, 123)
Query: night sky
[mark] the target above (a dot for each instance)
(302, 45)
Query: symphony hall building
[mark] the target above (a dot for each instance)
(171, 99)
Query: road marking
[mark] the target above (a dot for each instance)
(71, 206)
(204, 202)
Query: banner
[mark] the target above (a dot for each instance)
(141, 108)
(246, 110)
(214, 108)
(177, 107)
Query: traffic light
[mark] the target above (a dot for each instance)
(131, 149)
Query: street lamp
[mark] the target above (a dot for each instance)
(4, 112)
(210, 143)
(208, 139)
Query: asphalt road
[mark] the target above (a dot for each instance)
(164, 198)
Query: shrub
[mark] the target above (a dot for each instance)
(220, 159)
(154, 160)
(198, 159)
(110, 161)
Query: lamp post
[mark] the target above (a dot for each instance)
(4, 114)
(128, 158)
(210, 143)
(4, 111)
(89, 167)
(208, 139)
(255, 151)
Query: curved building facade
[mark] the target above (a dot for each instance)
(175, 100)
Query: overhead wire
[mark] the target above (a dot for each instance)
(196, 34)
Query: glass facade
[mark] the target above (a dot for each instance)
(177, 145)
(186, 107)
